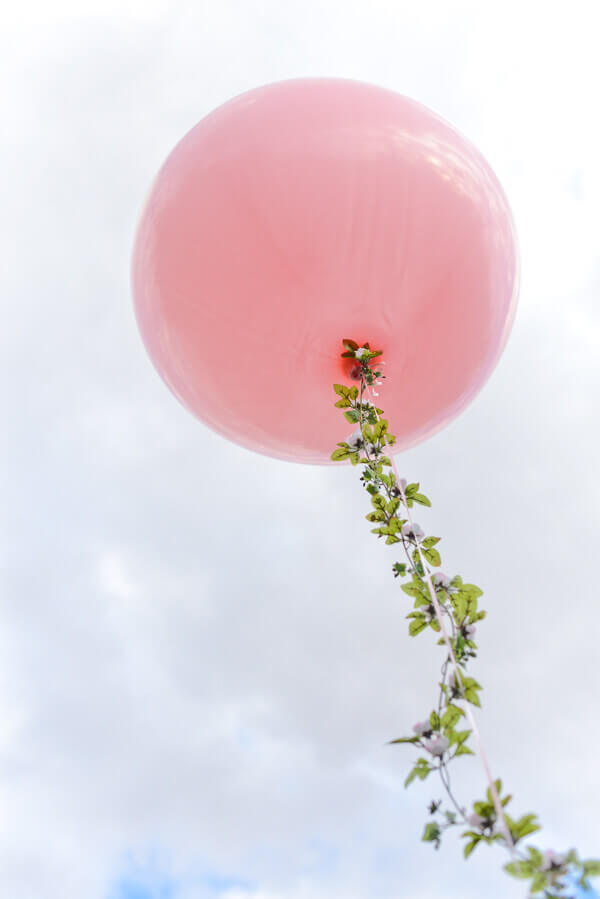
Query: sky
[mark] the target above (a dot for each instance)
(203, 653)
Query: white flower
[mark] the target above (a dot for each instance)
(360, 352)
(441, 580)
(413, 532)
(399, 487)
(553, 860)
(355, 440)
(475, 820)
(437, 746)
(421, 727)
(470, 631)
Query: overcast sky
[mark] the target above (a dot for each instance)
(202, 650)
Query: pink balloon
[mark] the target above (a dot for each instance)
(308, 211)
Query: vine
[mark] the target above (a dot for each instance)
(451, 607)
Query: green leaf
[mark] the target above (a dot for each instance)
(451, 716)
(536, 856)
(432, 556)
(392, 506)
(350, 344)
(488, 792)
(431, 832)
(464, 750)
(538, 883)
(470, 846)
(379, 429)
(462, 736)
(523, 870)
(459, 604)
(428, 542)
(411, 489)
(352, 416)
(420, 770)
(341, 390)
(421, 499)
(434, 721)
(472, 697)
(404, 740)
(525, 825)
(479, 616)
(343, 403)
(392, 539)
(353, 393)
(591, 867)
(471, 687)
(339, 454)
(416, 626)
(411, 590)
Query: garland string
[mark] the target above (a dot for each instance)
(468, 712)
(550, 873)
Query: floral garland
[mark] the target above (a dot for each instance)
(450, 606)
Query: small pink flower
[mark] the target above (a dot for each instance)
(475, 820)
(413, 532)
(421, 727)
(470, 631)
(355, 440)
(441, 580)
(553, 859)
(399, 487)
(437, 746)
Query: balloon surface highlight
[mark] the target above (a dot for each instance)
(304, 212)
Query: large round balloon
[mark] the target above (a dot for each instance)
(309, 211)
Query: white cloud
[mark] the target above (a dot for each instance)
(194, 661)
